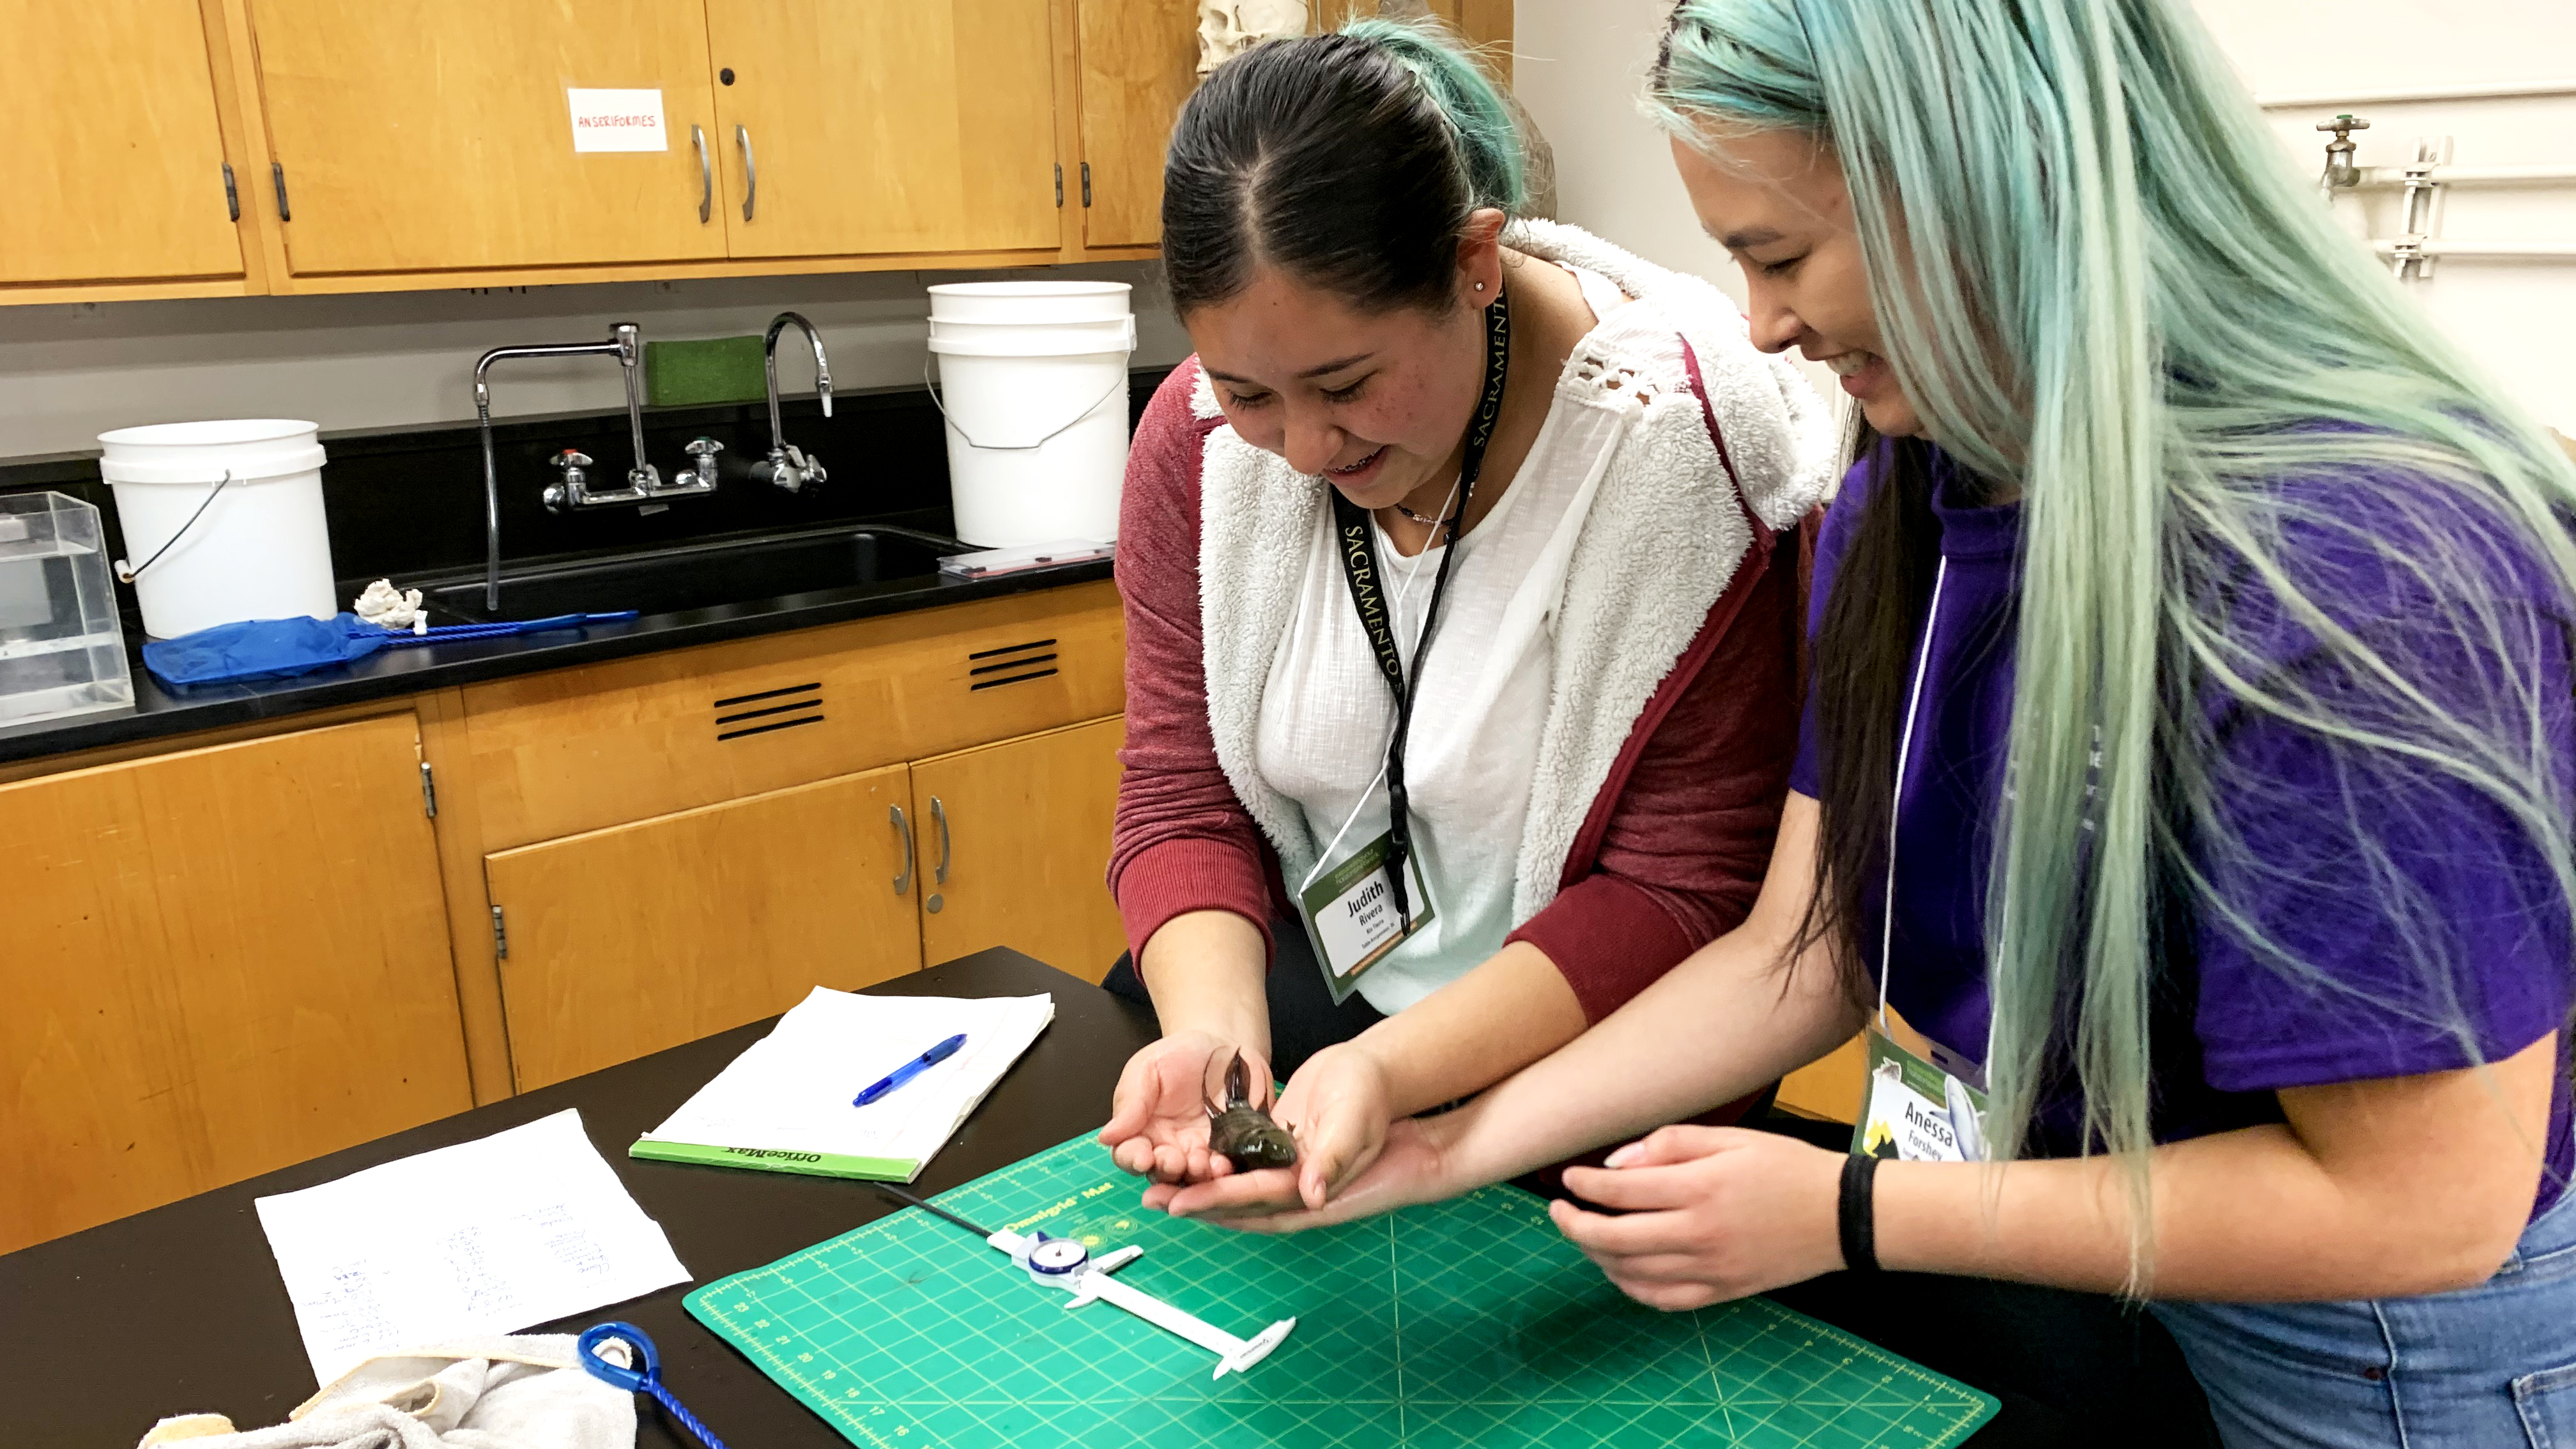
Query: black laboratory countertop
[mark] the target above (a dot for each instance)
(161, 710)
(180, 1309)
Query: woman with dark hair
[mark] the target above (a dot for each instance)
(1462, 613)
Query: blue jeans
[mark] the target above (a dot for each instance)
(2490, 1367)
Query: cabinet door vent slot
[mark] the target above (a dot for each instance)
(1011, 663)
(785, 724)
(805, 701)
(769, 694)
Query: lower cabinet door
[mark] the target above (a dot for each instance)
(627, 940)
(217, 963)
(1013, 848)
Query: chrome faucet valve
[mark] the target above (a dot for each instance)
(2340, 171)
(567, 493)
(791, 468)
(702, 466)
(787, 465)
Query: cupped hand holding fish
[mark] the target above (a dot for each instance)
(1158, 1120)
(1337, 1107)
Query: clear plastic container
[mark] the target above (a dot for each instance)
(61, 649)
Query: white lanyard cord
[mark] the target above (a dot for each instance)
(1371, 789)
(1896, 794)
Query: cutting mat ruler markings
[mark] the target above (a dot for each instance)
(1466, 1322)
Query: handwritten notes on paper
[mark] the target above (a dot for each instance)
(490, 1236)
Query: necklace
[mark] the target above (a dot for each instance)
(1423, 519)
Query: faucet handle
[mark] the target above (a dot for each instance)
(571, 458)
(703, 448)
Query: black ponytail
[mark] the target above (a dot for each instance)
(1351, 161)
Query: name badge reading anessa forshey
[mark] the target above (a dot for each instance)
(1916, 1111)
(1350, 915)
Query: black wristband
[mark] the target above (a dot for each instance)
(1859, 1215)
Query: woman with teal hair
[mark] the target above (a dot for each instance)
(2189, 757)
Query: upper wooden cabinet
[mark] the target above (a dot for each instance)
(423, 135)
(114, 165)
(864, 126)
(217, 963)
(1139, 62)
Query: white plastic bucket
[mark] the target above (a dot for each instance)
(1037, 438)
(1032, 339)
(259, 549)
(1060, 301)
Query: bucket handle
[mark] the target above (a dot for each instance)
(126, 575)
(935, 401)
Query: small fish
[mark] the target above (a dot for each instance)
(1243, 1133)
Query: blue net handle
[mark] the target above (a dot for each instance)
(644, 1380)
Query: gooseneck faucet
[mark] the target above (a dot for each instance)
(788, 466)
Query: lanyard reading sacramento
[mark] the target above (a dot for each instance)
(1360, 906)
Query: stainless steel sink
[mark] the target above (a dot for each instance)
(704, 576)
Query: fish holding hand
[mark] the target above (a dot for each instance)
(1243, 1133)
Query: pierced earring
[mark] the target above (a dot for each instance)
(1480, 286)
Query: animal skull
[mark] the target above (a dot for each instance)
(1227, 28)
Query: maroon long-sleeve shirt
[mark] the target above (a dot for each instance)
(1671, 853)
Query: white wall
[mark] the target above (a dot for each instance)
(71, 371)
(2518, 320)
(1578, 65)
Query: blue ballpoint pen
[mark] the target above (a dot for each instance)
(911, 1069)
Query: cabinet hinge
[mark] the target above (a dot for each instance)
(500, 936)
(1086, 183)
(232, 193)
(1059, 183)
(428, 791)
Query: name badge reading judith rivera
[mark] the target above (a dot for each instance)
(1350, 914)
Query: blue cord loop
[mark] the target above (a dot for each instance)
(647, 1380)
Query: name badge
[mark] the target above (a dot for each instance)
(1350, 914)
(1915, 1111)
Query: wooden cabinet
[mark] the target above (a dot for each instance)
(381, 145)
(1013, 848)
(427, 135)
(627, 940)
(1139, 62)
(872, 127)
(114, 165)
(217, 963)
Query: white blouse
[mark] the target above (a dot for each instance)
(1327, 714)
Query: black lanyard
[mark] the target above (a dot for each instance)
(1359, 567)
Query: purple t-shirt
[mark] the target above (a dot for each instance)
(2230, 1026)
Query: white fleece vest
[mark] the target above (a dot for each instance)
(1662, 541)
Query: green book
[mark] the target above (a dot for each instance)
(785, 1105)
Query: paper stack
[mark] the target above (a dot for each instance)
(485, 1237)
(784, 1105)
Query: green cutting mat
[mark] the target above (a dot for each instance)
(1471, 1322)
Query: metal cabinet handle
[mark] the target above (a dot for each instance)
(903, 881)
(706, 176)
(750, 171)
(277, 178)
(232, 193)
(939, 813)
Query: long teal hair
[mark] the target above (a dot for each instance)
(2100, 280)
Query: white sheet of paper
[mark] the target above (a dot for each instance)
(791, 1091)
(490, 1236)
(617, 120)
